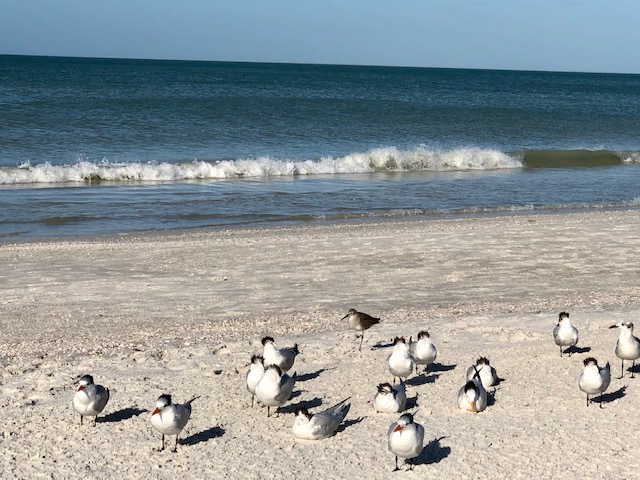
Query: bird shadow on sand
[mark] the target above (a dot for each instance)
(347, 423)
(316, 402)
(422, 379)
(439, 367)
(380, 345)
(411, 403)
(309, 376)
(575, 349)
(203, 436)
(611, 396)
(633, 370)
(433, 452)
(120, 415)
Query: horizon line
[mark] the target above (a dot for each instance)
(80, 57)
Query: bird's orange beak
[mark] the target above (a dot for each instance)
(156, 410)
(81, 387)
(473, 406)
(398, 428)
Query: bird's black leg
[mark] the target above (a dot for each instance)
(81, 418)
(361, 339)
(560, 351)
(268, 411)
(633, 374)
(622, 370)
(396, 469)
(95, 420)
(587, 399)
(252, 396)
(162, 448)
(601, 400)
(175, 448)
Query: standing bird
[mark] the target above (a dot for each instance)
(170, 418)
(400, 361)
(254, 374)
(473, 396)
(320, 425)
(594, 379)
(274, 388)
(628, 346)
(390, 398)
(90, 399)
(565, 334)
(360, 322)
(424, 351)
(405, 438)
(282, 357)
(487, 373)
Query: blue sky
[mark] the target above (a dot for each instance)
(561, 35)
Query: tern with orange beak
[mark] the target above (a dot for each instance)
(472, 397)
(406, 438)
(170, 418)
(90, 399)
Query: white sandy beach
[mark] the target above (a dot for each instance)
(182, 313)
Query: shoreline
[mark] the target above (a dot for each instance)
(182, 313)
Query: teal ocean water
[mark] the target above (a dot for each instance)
(108, 146)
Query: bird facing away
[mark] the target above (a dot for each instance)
(594, 379)
(424, 351)
(90, 399)
(472, 397)
(406, 438)
(254, 374)
(628, 346)
(360, 322)
(390, 398)
(400, 361)
(274, 388)
(170, 418)
(565, 334)
(488, 375)
(282, 357)
(319, 425)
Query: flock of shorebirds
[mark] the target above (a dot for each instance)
(269, 383)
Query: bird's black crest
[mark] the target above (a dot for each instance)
(399, 340)
(254, 358)
(384, 388)
(590, 361)
(167, 397)
(267, 339)
(563, 315)
(482, 361)
(423, 334)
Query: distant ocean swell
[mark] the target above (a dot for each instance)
(379, 160)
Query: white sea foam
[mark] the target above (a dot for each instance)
(383, 159)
